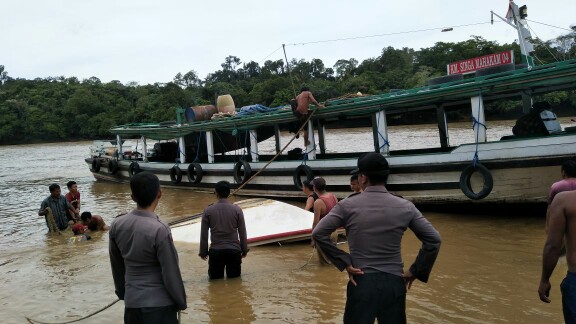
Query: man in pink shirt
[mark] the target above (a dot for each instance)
(568, 183)
(322, 206)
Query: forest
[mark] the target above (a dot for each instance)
(60, 108)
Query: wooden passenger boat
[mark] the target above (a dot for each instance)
(507, 170)
(514, 169)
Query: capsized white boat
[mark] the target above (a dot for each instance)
(267, 221)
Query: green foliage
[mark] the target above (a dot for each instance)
(58, 108)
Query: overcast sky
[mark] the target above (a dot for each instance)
(151, 41)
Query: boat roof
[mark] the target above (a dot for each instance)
(535, 80)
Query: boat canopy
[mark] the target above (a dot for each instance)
(535, 80)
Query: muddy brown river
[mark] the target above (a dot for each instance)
(488, 269)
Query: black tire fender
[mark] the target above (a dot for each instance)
(96, 165)
(112, 166)
(194, 173)
(302, 169)
(175, 174)
(465, 181)
(238, 177)
(133, 169)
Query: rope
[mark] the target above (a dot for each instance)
(541, 23)
(221, 141)
(545, 45)
(33, 321)
(197, 158)
(305, 154)
(251, 149)
(289, 72)
(386, 142)
(52, 227)
(346, 96)
(307, 262)
(474, 124)
(389, 34)
(276, 50)
(245, 146)
(278, 154)
(181, 152)
(539, 60)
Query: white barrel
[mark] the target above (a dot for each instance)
(225, 104)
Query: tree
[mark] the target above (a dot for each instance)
(396, 59)
(3, 75)
(345, 68)
(230, 63)
(250, 70)
(53, 108)
(190, 79)
(441, 54)
(273, 68)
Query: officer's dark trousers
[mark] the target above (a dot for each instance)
(379, 296)
(151, 315)
(218, 260)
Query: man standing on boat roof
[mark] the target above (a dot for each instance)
(227, 235)
(375, 222)
(303, 101)
(59, 207)
(561, 224)
(144, 259)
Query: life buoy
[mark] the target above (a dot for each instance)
(134, 169)
(112, 166)
(302, 169)
(96, 165)
(242, 171)
(175, 174)
(465, 181)
(194, 173)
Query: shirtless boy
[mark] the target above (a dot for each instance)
(561, 224)
(93, 222)
(304, 99)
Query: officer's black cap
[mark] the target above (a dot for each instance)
(372, 163)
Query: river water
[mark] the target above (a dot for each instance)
(488, 269)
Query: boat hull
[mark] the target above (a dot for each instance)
(522, 172)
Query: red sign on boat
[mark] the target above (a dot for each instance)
(477, 63)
